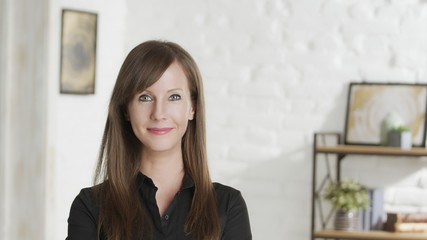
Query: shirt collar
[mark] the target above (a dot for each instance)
(187, 182)
(142, 179)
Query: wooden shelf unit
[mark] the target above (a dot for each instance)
(369, 235)
(372, 150)
(341, 151)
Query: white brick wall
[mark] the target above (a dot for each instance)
(275, 71)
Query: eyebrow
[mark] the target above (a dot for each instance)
(170, 90)
(176, 89)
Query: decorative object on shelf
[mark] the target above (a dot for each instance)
(400, 137)
(369, 103)
(78, 52)
(373, 215)
(347, 220)
(391, 121)
(406, 222)
(347, 197)
(394, 132)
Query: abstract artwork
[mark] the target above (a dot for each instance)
(370, 103)
(78, 52)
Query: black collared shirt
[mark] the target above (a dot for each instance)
(83, 219)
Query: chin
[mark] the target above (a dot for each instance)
(161, 147)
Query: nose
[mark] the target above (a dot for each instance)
(158, 111)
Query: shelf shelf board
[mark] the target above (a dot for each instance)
(369, 235)
(372, 150)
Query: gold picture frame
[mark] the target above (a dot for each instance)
(369, 103)
(78, 52)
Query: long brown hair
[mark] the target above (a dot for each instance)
(121, 213)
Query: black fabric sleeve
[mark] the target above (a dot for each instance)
(237, 225)
(82, 222)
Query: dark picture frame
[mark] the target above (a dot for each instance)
(368, 104)
(78, 52)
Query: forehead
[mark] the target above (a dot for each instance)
(173, 78)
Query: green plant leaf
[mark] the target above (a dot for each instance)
(347, 195)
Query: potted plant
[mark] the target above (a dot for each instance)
(400, 136)
(347, 197)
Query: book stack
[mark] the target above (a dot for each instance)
(406, 222)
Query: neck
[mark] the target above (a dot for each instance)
(162, 167)
(166, 169)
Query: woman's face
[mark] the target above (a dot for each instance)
(159, 115)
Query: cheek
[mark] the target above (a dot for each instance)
(137, 116)
(136, 111)
(180, 113)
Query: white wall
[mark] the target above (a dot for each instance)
(275, 71)
(79, 119)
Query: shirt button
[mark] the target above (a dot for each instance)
(166, 217)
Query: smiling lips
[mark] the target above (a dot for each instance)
(159, 131)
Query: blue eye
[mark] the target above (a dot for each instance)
(145, 98)
(175, 97)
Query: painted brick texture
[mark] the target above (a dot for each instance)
(276, 71)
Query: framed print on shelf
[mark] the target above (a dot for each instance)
(369, 103)
(78, 52)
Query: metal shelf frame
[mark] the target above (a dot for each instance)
(322, 145)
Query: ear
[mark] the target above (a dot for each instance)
(192, 112)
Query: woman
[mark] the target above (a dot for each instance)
(152, 179)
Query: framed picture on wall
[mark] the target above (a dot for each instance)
(78, 52)
(369, 103)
